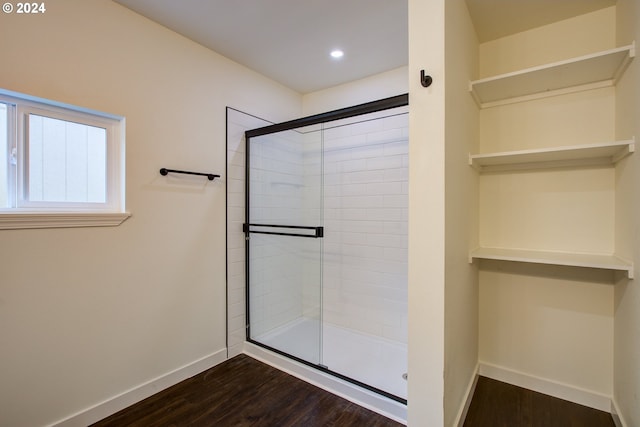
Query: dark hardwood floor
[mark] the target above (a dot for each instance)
(245, 392)
(497, 404)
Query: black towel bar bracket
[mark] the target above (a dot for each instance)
(210, 176)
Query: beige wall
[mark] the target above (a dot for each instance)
(582, 35)
(461, 211)
(372, 88)
(626, 389)
(86, 314)
(426, 213)
(549, 323)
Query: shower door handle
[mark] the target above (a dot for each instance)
(292, 230)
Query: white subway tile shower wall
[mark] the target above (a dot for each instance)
(285, 190)
(365, 218)
(237, 124)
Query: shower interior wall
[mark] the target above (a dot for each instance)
(283, 170)
(365, 216)
(237, 123)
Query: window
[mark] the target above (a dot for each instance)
(60, 165)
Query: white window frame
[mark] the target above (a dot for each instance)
(25, 213)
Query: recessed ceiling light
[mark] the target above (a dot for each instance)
(337, 53)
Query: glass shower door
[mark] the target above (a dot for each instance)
(284, 242)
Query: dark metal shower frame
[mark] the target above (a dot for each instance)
(343, 113)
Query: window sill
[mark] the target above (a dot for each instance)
(24, 220)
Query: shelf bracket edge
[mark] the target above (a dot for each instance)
(627, 150)
(471, 256)
(625, 63)
(475, 95)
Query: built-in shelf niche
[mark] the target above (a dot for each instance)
(601, 261)
(585, 72)
(567, 156)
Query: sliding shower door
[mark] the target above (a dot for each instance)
(327, 232)
(284, 242)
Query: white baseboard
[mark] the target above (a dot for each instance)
(615, 413)
(235, 350)
(111, 406)
(360, 396)
(471, 388)
(542, 385)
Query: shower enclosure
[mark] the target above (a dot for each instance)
(326, 242)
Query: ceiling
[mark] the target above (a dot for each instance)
(290, 40)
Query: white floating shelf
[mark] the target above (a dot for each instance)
(567, 156)
(588, 71)
(608, 262)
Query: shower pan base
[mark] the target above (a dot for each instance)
(366, 398)
(375, 361)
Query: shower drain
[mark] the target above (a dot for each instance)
(404, 376)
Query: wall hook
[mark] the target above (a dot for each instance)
(425, 80)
